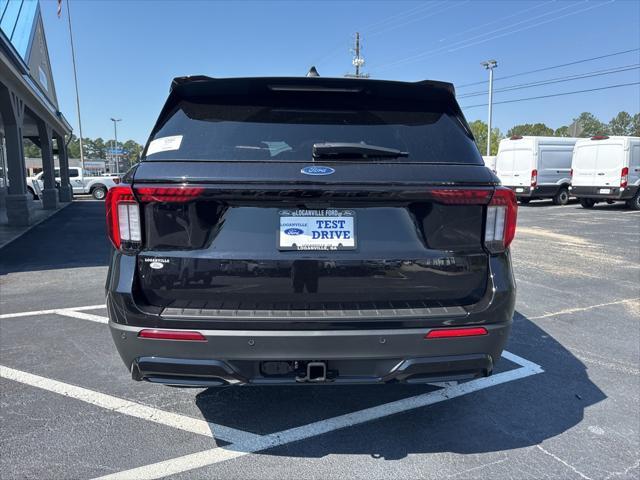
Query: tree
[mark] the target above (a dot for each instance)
(591, 125)
(561, 131)
(134, 150)
(31, 150)
(479, 129)
(635, 125)
(535, 129)
(621, 124)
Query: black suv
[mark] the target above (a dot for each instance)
(284, 230)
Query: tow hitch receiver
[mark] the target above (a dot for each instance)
(316, 372)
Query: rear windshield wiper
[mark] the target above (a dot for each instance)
(354, 150)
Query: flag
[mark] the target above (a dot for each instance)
(59, 8)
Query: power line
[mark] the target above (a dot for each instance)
(549, 81)
(551, 67)
(554, 95)
(463, 43)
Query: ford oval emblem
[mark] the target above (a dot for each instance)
(317, 170)
(293, 231)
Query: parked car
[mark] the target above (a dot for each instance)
(536, 167)
(82, 182)
(382, 239)
(607, 169)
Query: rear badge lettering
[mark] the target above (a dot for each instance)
(317, 170)
(156, 263)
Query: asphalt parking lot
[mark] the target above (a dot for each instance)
(563, 403)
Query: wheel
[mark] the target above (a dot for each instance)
(562, 197)
(99, 192)
(587, 202)
(524, 201)
(634, 203)
(33, 194)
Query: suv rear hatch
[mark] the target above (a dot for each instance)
(275, 195)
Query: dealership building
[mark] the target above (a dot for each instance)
(28, 110)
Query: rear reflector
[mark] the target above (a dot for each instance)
(168, 194)
(500, 225)
(181, 335)
(456, 332)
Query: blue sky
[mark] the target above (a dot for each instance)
(128, 51)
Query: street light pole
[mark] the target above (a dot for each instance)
(115, 134)
(490, 65)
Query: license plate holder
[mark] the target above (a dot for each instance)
(317, 230)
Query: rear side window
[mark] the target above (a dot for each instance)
(266, 130)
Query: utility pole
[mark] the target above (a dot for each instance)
(358, 59)
(115, 150)
(490, 65)
(75, 77)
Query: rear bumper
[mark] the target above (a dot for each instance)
(355, 350)
(540, 191)
(615, 193)
(237, 357)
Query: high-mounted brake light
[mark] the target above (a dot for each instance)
(123, 217)
(168, 194)
(624, 177)
(534, 177)
(180, 335)
(500, 225)
(600, 137)
(515, 137)
(456, 332)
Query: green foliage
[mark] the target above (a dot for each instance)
(561, 131)
(479, 129)
(533, 129)
(635, 125)
(591, 125)
(621, 124)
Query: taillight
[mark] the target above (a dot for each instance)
(534, 178)
(168, 194)
(571, 174)
(500, 226)
(624, 177)
(461, 196)
(123, 217)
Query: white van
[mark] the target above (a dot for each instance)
(536, 167)
(490, 162)
(606, 169)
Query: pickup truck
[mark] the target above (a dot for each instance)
(82, 182)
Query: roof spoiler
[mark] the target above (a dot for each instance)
(192, 79)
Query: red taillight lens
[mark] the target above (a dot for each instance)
(500, 225)
(534, 178)
(181, 335)
(168, 194)
(571, 173)
(624, 177)
(456, 332)
(466, 196)
(123, 216)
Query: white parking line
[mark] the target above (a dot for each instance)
(83, 316)
(53, 310)
(258, 443)
(127, 407)
(584, 309)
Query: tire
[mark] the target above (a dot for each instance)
(587, 202)
(99, 192)
(561, 197)
(634, 203)
(524, 201)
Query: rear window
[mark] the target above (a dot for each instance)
(222, 130)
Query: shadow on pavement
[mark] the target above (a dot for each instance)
(516, 414)
(74, 237)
